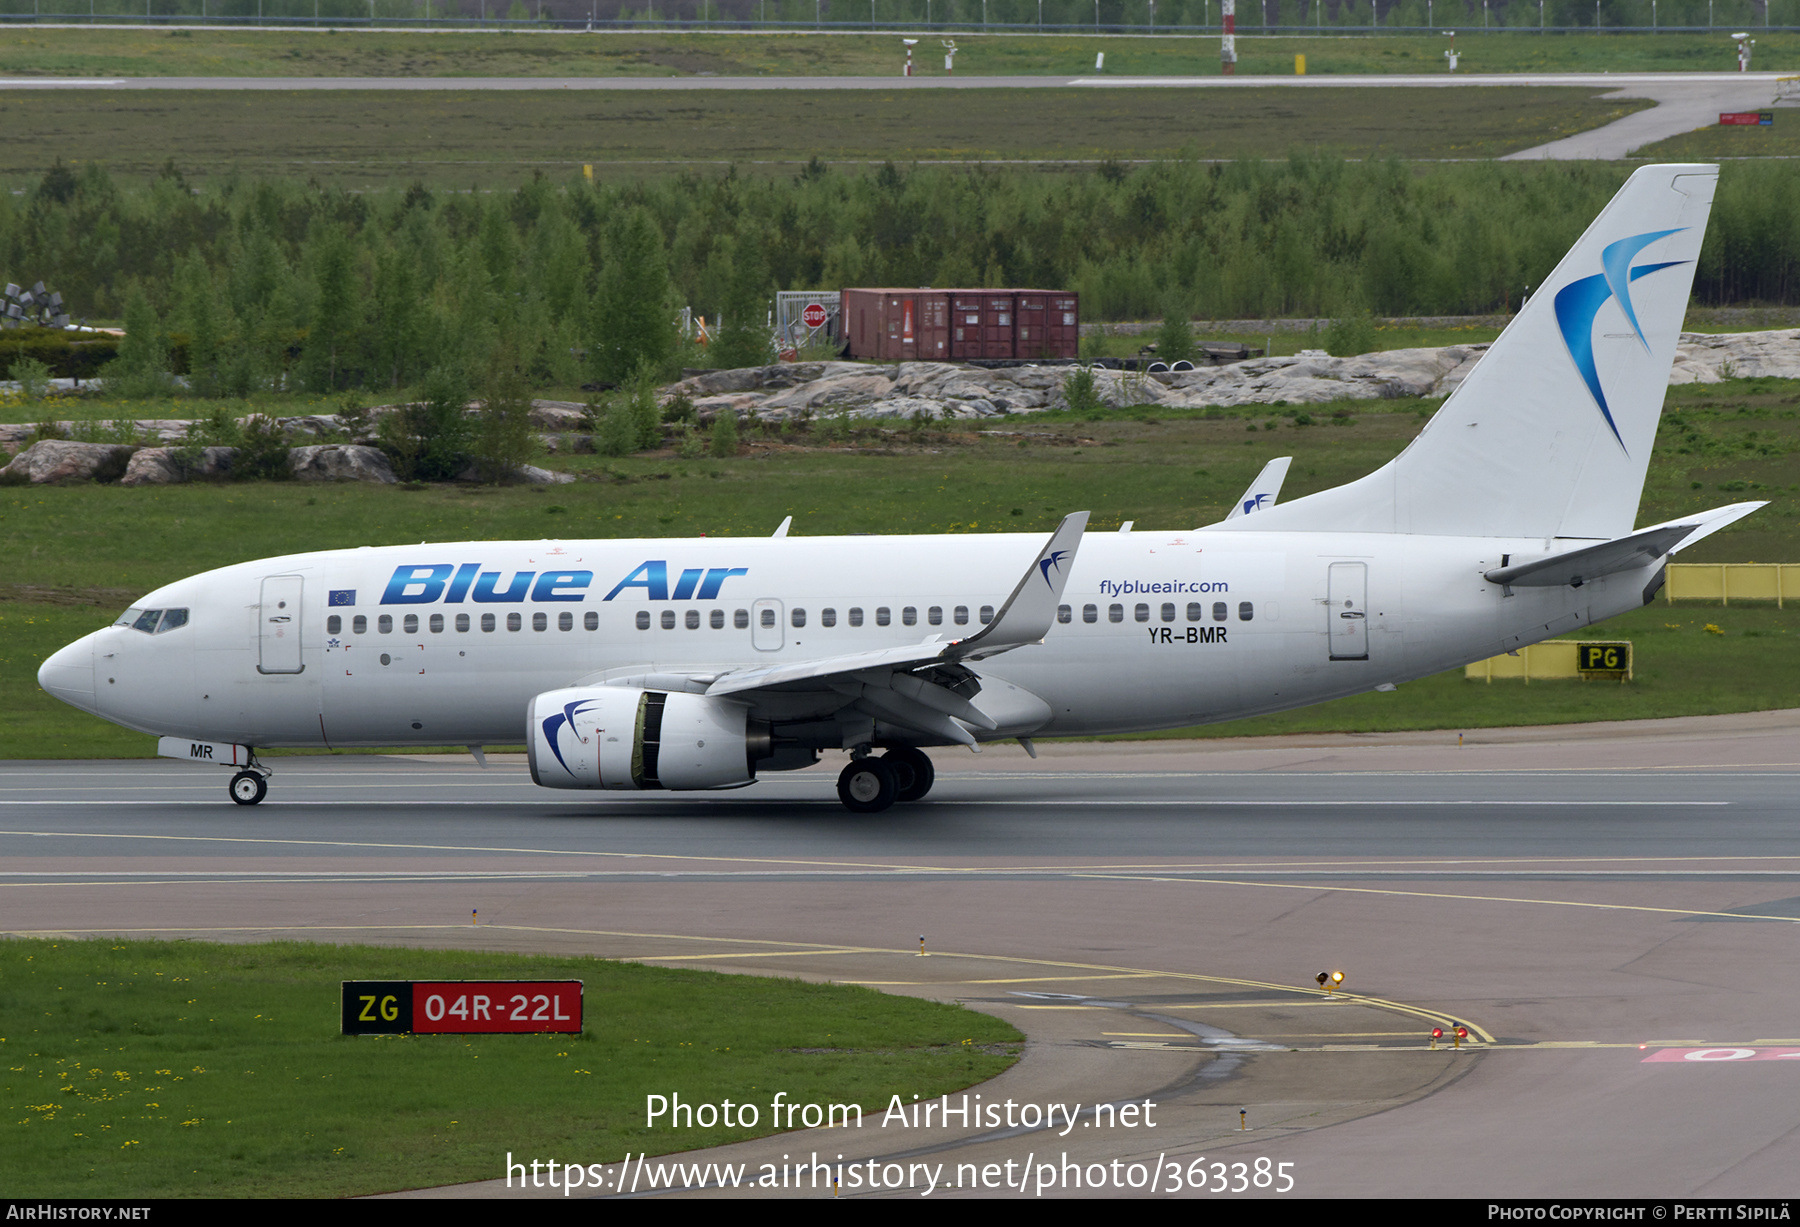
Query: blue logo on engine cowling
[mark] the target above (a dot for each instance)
(427, 583)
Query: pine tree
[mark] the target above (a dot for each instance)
(633, 323)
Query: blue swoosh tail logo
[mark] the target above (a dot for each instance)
(1578, 303)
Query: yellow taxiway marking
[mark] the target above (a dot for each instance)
(1328, 888)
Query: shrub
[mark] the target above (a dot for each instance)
(1351, 335)
(33, 377)
(1081, 391)
(725, 434)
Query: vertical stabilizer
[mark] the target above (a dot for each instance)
(1550, 434)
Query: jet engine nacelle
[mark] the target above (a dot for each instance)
(625, 737)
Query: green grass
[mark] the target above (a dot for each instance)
(458, 138)
(1779, 140)
(292, 53)
(182, 1069)
(78, 554)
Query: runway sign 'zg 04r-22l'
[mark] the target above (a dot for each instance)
(460, 1007)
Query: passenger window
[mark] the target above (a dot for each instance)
(437, 624)
(1065, 614)
(882, 616)
(961, 615)
(487, 622)
(1115, 613)
(768, 617)
(359, 625)
(1090, 613)
(1142, 613)
(1246, 611)
(692, 619)
(855, 615)
(828, 617)
(717, 619)
(515, 622)
(987, 614)
(172, 619)
(741, 619)
(565, 621)
(334, 625)
(1195, 613)
(385, 624)
(1218, 611)
(1168, 611)
(668, 619)
(909, 616)
(590, 621)
(410, 624)
(540, 621)
(798, 617)
(935, 615)
(643, 619)
(462, 624)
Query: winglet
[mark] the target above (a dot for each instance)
(1030, 611)
(1264, 490)
(783, 530)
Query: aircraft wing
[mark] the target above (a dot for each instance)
(1264, 490)
(925, 686)
(1576, 567)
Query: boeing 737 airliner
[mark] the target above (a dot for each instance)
(698, 664)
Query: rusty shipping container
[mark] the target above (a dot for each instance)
(888, 325)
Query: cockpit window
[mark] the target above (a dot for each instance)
(153, 621)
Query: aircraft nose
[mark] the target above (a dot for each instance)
(69, 674)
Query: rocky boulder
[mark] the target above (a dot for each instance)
(162, 466)
(341, 462)
(50, 460)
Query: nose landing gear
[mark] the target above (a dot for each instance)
(250, 785)
(247, 788)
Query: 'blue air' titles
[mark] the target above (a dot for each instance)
(428, 583)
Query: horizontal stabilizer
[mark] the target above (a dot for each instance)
(1577, 567)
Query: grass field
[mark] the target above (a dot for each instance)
(186, 1069)
(99, 51)
(1780, 139)
(79, 554)
(460, 139)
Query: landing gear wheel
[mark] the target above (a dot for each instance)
(867, 786)
(247, 788)
(912, 770)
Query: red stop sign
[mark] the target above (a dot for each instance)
(814, 316)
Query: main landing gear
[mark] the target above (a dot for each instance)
(869, 784)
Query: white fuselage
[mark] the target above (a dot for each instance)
(448, 644)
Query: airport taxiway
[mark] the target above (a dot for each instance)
(1609, 910)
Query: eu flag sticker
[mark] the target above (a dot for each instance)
(342, 596)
